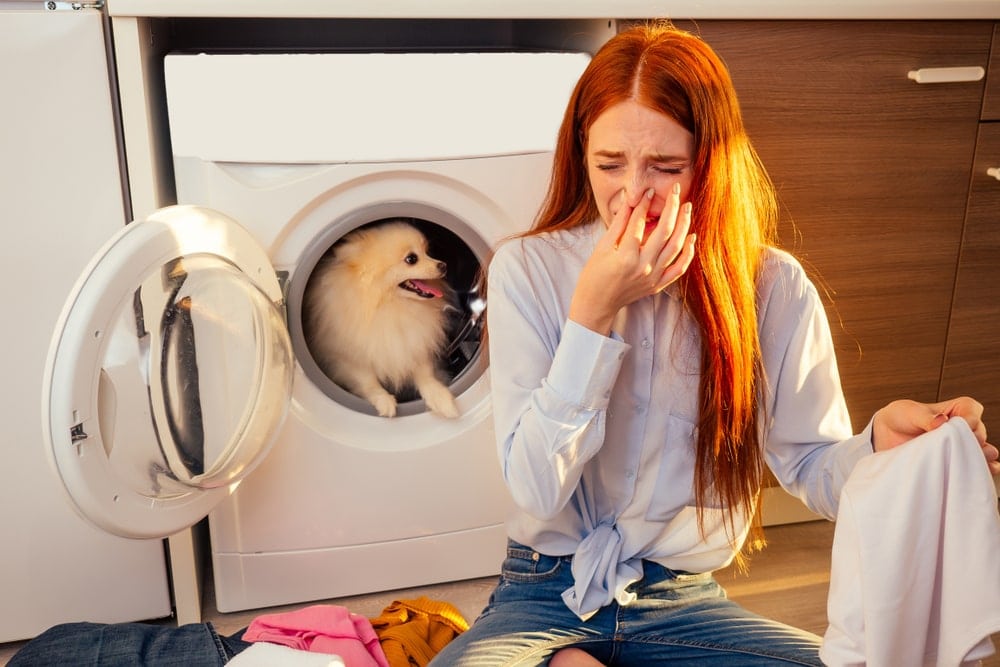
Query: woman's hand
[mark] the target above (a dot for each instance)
(625, 268)
(903, 420)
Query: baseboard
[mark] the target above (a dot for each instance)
(779, 507)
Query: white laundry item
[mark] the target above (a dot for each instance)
(914, 578)
(264, 654)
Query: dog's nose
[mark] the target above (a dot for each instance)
(442, 267)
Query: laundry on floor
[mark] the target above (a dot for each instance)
(412, 632)
(264, 654)
(323, 628)
(407, 633)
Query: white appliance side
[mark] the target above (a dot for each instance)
(62, 200)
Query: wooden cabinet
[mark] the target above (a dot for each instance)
(991, 98)
(872, 172)
(972, 356)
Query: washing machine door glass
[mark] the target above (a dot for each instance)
(169, 374)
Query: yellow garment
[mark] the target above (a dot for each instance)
(414, 631)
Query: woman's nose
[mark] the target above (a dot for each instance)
(635, 187)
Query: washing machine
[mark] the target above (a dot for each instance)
(180, 381)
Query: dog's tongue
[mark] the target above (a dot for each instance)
(430, 289)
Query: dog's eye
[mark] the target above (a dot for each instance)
(411, 258)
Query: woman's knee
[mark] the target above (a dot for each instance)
(573, 657)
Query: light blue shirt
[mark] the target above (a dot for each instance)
(596, 434)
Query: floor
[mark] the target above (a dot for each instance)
(788, 581)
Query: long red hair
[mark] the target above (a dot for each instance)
(734, 217)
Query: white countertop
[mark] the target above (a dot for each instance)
(566, 9)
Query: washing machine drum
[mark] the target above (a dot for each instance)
(169, 373)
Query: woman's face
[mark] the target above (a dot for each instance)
(632, 148)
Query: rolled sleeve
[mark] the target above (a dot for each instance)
(828, 468)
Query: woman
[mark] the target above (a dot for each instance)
(650, 353)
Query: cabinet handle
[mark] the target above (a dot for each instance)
(946, 74)
(994, 172)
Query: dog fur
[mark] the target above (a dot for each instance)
(375, 316)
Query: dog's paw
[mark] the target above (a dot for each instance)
(440, 401)
(385, 405)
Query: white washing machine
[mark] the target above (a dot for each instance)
(181, 365)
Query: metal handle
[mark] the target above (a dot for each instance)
(62, 5)
(994, 172)
(946, 74)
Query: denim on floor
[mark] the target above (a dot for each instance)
(129, 644)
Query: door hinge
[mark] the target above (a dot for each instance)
(60, 5)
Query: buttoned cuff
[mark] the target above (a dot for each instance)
(585, 366)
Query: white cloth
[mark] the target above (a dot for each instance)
(263, 654)
(915, 578)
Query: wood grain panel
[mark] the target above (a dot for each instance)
(991, 98)
(972, 360)
(872, 172)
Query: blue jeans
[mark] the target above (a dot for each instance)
(137, 644)
(678, 619)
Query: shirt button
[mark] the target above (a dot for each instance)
(646, 344)
(640, 409)
(629, 474)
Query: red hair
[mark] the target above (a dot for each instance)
(734, 216)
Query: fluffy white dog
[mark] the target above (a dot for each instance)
(375, 316)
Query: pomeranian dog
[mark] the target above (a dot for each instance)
(376, 316)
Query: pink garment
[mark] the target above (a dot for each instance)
(323, 629)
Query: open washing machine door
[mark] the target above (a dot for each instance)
(169, 372)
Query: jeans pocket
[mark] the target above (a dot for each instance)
(525, 565)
